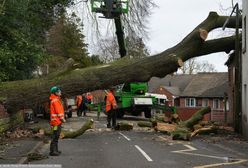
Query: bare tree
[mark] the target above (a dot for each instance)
(192, 66)
(109, 52)
(135, 46)
(135, 22)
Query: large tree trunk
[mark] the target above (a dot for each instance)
(20, 94)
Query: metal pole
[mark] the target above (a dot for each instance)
(98, 111)
(120, 36)
(238, 82)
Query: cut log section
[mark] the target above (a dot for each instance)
(124, 126)
(68, 134)
(165, 128)
(207, 130)
(144, 124)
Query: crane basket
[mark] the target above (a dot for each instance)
(109, 8)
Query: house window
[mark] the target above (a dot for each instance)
(161, 101)
(190, 102)
(227, 105)
(205, 103)
(244, 45)
(216, 104)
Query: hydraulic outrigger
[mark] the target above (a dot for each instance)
(113, 9)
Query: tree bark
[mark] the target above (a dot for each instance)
(144, 124)
(207, 130)
(124, 126)
(24, 94)
(69, 134)
(183, 130)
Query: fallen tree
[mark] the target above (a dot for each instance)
(184, 129)
(25, 93)
(11, 122)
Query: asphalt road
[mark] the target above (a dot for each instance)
(140, 149)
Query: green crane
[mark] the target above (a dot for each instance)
(113, 9)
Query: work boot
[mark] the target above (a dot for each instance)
(57, 150)
(54, 150)
(55, 153)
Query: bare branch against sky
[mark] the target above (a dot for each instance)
(168, 24)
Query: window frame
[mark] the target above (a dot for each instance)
(190, 101)
(215, 104)
(203, 100)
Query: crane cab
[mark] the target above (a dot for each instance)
(110, 8)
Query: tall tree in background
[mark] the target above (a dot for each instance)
(95, 60)
(65, 39)
(23, 26)
(136, 47)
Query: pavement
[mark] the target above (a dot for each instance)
(16, 151)
(124, 149)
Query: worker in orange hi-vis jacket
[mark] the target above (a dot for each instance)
(89, 98)
(111, 107)
(56, 119)
(79, 101)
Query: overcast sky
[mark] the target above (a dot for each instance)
(174, 19)
(171, 22)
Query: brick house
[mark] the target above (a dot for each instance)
(189, 93)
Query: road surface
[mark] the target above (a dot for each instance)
(106, 148)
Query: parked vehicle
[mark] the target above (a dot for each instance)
(43, 109)
(69, 106)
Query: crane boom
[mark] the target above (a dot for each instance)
(113, 9)
(120, 37)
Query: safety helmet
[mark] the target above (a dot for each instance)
(55, 89)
